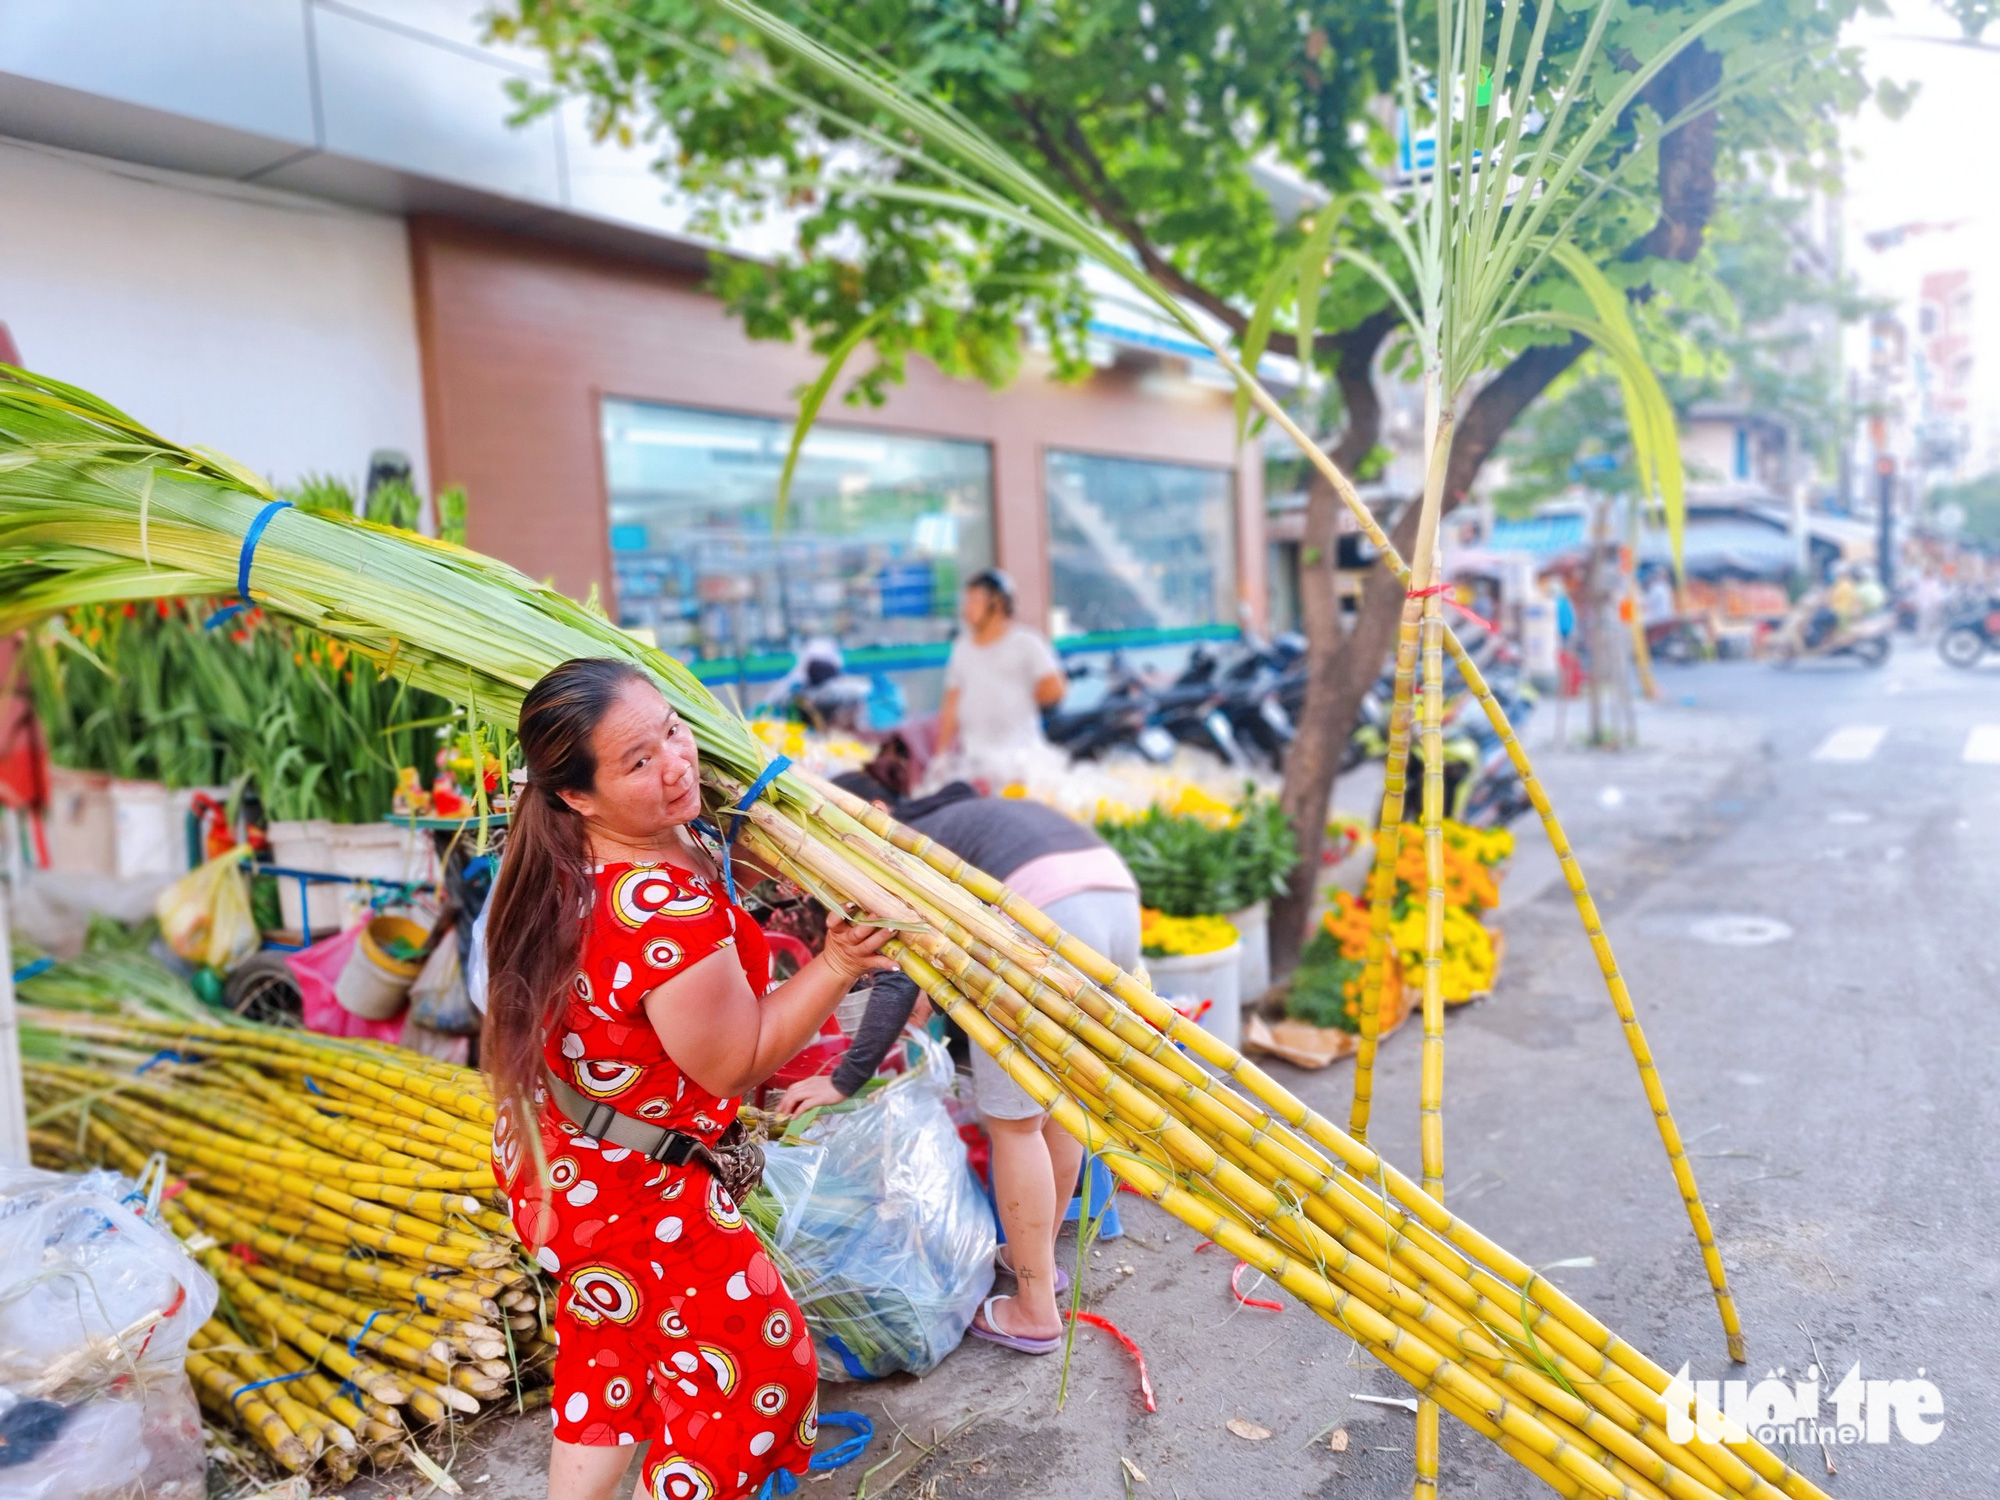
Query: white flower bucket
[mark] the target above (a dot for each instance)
(1216, 977)
(1253, 930)
(385, 851)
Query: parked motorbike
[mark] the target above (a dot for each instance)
(1971, 629)
(1808, 634)
(1681, 639)
(1196, 714)
(1249, 684)
(1118, 717)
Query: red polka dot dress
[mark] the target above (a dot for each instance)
(672, 1324)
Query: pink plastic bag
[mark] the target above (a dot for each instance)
(318, 970)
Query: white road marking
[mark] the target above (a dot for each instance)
(1982, 746)
(1855, 742)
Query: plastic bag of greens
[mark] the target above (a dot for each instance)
(888, 1245)
(97, 1303)
(438, 998)
(205, 915)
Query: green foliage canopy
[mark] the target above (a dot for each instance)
(1198, 134)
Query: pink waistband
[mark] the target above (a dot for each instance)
(1054, 876)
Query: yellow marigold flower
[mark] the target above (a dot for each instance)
(1162, 936)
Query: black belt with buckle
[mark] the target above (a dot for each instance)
(600, 1121)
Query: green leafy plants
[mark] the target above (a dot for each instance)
(1320, 992)
(1263, 850)
(147, 692)
(1185, 867)
(1188, 865)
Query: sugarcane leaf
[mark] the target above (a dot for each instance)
(810, 402)
(1648, 412)
(1312, 276)
(1257, 333)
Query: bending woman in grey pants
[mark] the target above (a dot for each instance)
(1075, 877)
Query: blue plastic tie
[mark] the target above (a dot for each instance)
(311, 1086)
(364, 1332)
(251, 537)
(350, 1390)
(165, 1054)
(855, 1369)
(847, 1449)
(770, 773)
(258, 1385)
(781, 1482)
(31, 969)
(423, 1306)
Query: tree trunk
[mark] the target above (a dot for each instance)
(1327, 717)
(1348, 668)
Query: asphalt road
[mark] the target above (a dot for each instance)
(1833, 1079)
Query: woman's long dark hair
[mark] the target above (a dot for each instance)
(541, 901)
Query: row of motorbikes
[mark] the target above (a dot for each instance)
(1242, 704)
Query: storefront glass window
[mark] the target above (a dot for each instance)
(1136, 545)
(880, 528)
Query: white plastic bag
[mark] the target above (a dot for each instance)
(886, 1241)
(97, 1303)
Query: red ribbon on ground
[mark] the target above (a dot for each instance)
(1447, 592)
(1097, 1320)
(1236, 1286)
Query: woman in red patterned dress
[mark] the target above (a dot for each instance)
(625, 989)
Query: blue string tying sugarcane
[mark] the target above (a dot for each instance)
(364, 1332)
(862, 1433)
(350, 1390)
(31, 969)
(251, 537)
(165, 1054)
(769, 774)
(258, 1385)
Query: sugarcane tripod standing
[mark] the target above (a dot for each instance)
(626, 1012)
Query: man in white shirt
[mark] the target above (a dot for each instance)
(998, 679)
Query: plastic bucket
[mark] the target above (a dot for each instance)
(1253, 930)
(1188, 980)
(374, 984)
(306, 845)
(82, 825)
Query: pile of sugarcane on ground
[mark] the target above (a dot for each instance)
(94, 506)
(342, 1196)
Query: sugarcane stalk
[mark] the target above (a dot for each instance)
(302, 1116)
(1551, 1306)
(1140, 1121)
(217, 1386)
(1621, 999)
(1426, 579)
(1648, 1473)
(312, 1430)
(1370, 1328)
(370, 1117)
(1380, 962)
(363, 1221)
(467, 1301)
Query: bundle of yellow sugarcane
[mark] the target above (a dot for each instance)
(92, 505)
(342, 1196)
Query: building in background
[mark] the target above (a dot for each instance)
(302, 231)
